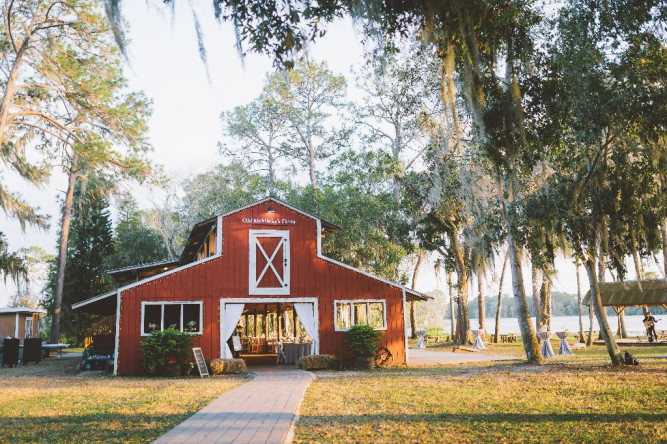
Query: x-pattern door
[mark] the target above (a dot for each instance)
(269, 262)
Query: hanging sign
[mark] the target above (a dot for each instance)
(268, 221)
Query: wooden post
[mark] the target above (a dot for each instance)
(278, 326)
(255, 326)
(295, 320)
(246, 323)
(266, 326)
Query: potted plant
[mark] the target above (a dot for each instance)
(363, 341)
(166, 352)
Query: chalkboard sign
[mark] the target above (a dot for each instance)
(201, 363)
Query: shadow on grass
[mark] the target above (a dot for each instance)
(91, 427)
(475, 418)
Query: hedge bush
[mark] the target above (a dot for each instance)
(363, 340)
(162, 348)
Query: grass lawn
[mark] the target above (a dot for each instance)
(52, 402)
(570, 399)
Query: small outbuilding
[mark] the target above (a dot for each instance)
(260, 268)
(20, 322)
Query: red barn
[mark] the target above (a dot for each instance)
(260, 266)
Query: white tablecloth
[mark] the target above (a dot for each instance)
(421, 332)
(478, 345)
(564, 346)
(547, 350)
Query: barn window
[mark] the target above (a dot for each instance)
(183, 316)
(360, 312)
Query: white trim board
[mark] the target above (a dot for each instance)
(181, 303)
(360, 301)
(245, 301)
(254, 244)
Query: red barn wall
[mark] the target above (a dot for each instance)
(227, 277)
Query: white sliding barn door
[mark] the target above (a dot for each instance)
(269, 262)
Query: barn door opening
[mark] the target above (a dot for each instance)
(269, 262)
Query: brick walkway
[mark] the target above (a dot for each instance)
(260, 411)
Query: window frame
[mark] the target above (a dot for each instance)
(368, 312)
(181, 303)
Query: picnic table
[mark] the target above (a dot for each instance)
(55, 347)
(547, 350)
(507, 338)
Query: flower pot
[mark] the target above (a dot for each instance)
(171, 370)
(365, 362)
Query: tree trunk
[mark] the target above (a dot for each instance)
(463, 324)
(664, 246)
(420, 259)
(582, 338)
(451, 306)
(10, 85)
(605, 331)
(481, 307)
(530, 345)
(623, 331)
(500, 298)
(545, 301)
(62, 251)
(536, 279)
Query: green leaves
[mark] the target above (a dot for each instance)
(164, 347)
(362, 340)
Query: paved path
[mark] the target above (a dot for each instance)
(418, 357)
(259, 411)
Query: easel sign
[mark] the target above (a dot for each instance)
(201, 362)
(236, 342)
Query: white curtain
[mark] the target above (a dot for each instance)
(307, 317)
(232, 315)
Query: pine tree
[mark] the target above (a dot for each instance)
(89, 246)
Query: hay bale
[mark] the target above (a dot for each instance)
(227, 366)
(316, 362)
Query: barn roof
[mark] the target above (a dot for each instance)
(197, 235)
(142, 273)
(628, 293)
(11, 310)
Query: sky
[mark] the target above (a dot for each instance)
(185, 126)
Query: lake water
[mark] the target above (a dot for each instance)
(633, 324)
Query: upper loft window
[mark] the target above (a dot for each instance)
(207, 248)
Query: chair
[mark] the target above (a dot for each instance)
(10, 353)
(254, 345)
(245, 345)
(32, 350)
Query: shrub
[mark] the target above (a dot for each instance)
(363, 340)
(316, 362)
(165, 347)
(227, 366)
